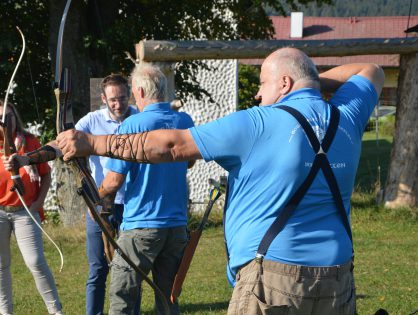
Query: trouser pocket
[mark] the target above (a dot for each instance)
(251, 304)
(349, 306)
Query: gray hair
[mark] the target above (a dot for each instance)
(298, 65)
(151, 80)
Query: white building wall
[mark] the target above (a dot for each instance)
(222, 84)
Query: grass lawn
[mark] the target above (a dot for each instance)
(385, 243)
(374, 161)
(386, 267)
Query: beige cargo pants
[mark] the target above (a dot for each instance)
(269, 287)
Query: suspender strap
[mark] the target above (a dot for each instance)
(320, 162)
(333, 186)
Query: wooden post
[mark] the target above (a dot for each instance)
(253, 49)
(95, 92)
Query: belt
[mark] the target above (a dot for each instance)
(299, 271)
(11, 208)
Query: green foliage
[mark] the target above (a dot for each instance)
(99, 32)
(52, 218)
(248, 84)
(32, 93)
(387, 126)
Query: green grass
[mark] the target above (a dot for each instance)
(386, 256)
(386, 267)
(386, 263)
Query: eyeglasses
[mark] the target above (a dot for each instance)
(114, 100)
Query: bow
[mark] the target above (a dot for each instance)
(10, 148)
(86, 185)
(218, 189)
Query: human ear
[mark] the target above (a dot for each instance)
(286, 84)
(104, 100)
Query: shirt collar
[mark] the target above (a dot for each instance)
(157, 106)
(302, 93)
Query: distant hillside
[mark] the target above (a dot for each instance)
(364, 8)
(342, 8)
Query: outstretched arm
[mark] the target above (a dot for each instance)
(332, 79)
(156, 146)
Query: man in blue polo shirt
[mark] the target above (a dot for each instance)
(153, 231)
(115, 96)
(295, 155)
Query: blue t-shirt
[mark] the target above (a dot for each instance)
(156, 194)
(99, 122)
(268, 156)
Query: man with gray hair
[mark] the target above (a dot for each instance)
(292, 164)
(153, 230)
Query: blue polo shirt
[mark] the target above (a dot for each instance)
(268, 156)
(99, 122)
(156, 194)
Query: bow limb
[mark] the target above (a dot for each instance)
(86, 185)
(9, 87)
(10, 148)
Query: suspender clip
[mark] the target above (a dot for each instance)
(321, 151)
(259, 258)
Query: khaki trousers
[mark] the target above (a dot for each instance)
(269, 287)
(156, 250)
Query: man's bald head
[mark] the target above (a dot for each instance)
(284, 71)
(296, 64)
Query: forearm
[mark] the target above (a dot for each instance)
(332, 79)
(111, 184)
(156, 146)
(108, 189)
(46, 153)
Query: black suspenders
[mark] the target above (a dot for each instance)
(320, 162)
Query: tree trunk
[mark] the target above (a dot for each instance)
(74, 55)
(71, 204)
(402, 183)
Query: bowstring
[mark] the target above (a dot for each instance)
(40, 227)
(33, 88)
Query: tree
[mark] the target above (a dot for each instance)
(402, 182)
(98, 33)
(32, 94)
(248, 84)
